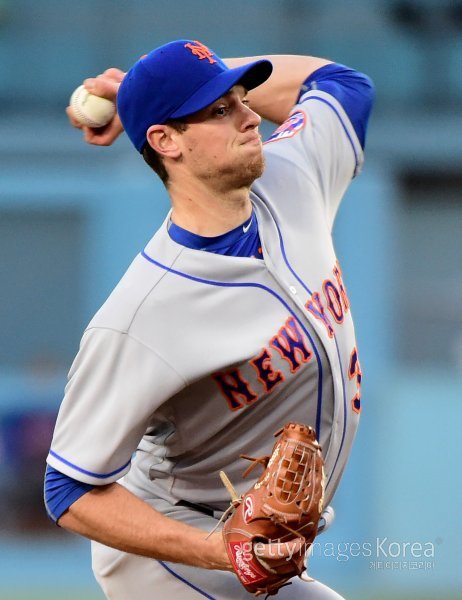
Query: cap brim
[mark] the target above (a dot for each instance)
(250, 76)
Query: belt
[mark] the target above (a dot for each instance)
(199, 507)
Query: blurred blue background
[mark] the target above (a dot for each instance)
(73, 216)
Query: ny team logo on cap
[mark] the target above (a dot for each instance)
(201, 51)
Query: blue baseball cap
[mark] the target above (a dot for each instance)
(177, 80)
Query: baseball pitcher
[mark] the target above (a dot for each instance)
(230, 334)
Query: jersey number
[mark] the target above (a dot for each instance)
(354, 370)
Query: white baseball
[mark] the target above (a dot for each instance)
(91, 110)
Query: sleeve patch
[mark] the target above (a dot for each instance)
(291, 126)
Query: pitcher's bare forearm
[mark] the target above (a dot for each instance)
(115, 517)
(274, 98)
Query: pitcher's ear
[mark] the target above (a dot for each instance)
(162, 139)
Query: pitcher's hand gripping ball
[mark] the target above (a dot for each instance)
(91, 110)
(275, 522)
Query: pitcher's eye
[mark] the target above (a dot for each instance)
(221, 111)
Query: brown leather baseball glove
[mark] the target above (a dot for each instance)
(274, 523)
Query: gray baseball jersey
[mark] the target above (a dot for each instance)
(198, 357)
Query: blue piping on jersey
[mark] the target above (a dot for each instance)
(266, 289)
(289, 266)
(344, 410)
(307, 289)
(347, 133)
(191, 585)
(85, 472)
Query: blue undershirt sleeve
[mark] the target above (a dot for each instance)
(61, 491)
(354, 91)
